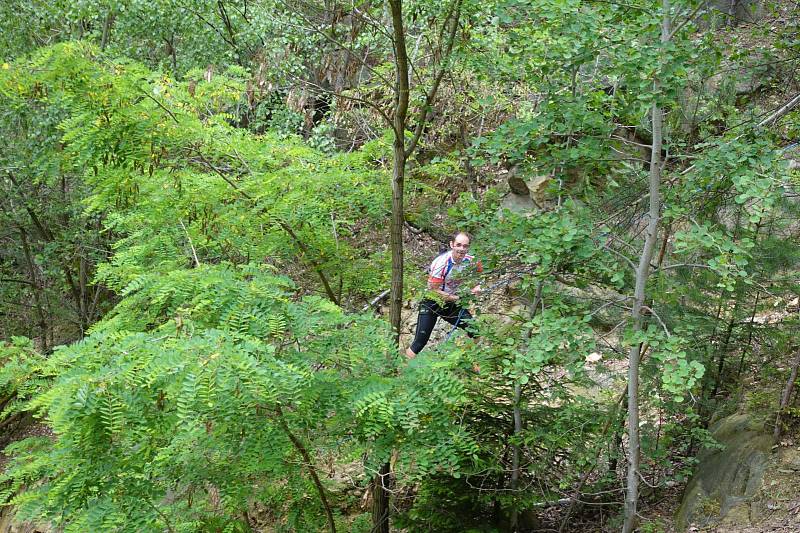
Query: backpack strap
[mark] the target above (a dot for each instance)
(450, 264)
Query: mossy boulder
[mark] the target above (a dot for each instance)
(727, 481)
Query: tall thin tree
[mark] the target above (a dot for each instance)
(401, 151)
(642, 273)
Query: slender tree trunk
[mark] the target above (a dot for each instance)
(401, 152)
(642, 273)
(723, 352)
(83, 283)
(616, 446)
(515, 458)
(35, 288)
(787, 394)
(472, 177)
(749, 336)
(500, 485)
(381, 484)
(172, 53)
(311, 469)
(47, 235)
(712, 340)
(516, 449)
(613, 420)
(399, 165)
(230, 30)
(107, 24)
(396, 242)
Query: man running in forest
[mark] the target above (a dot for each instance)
(443, 280)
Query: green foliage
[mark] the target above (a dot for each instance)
(589, 71)
(173, 417)
(181, 205)
(23, 375)
(49, 246)
(175, 36)
(154, 151)
(187, 402)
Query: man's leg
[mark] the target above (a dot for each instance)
(426, 320)
(459, 317)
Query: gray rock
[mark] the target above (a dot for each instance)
(518, 203)
(726, 482)
(790, 458)
(733, 12)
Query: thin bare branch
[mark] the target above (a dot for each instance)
(364, 101)
(191, 244)
(660, 321)
(688, 19)
(454, 14)
(313, 27)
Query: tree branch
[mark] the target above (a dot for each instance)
(364, 101)
(159, 104)
(688, 19)
(310, 465)
(191, 245)
(658, 318)
(780, 113)
(283, 225)
(21, 281)
(311, 26)
(453, 16)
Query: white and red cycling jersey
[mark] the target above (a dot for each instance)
(446, 271)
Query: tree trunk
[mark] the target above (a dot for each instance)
(47, 235)
(399, 165)
(619, 429)
(311, 469)
(83, 282)
(109, 21)
(749, 336)
(516, 449)
(516, 454)
(380, 495)
(35, 289)
(787, 394)
(723, 352)
(396, 241)
(381, 487)
(642, 273)
(401, 152)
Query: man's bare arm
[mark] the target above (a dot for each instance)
(436, 286)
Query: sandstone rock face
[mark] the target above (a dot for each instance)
(726, 482)
(525, 196)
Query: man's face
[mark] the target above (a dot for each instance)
(460, 246)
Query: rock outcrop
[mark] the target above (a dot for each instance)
(727, 481)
